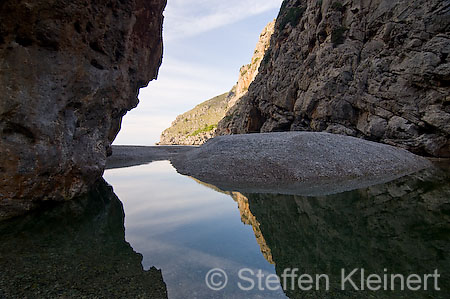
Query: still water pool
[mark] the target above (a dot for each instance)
(98, 246)
(186, 228)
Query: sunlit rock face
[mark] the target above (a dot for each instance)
(199, 124)
(75, 249)
(248, 72)
(378, 70)
(69, 71)
(402, 226)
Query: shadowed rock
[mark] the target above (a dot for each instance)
(378, 70)
(69, 71)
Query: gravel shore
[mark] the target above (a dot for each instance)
(302, 163)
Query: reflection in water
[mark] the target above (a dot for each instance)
(248, 218)
(74, 250)
(403, 226)
(186, 229)
(78, 249)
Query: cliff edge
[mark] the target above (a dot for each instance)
(69, 72)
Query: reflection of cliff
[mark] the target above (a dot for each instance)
(403, 226)
(76, 249)
(248, 218)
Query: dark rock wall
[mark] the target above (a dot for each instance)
(376, 69)
(69, 72)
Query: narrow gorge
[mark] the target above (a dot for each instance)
(330, 154)
(198, 125)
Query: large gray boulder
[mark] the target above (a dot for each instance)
(303, 163)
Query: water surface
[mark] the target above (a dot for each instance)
(186, 228)
(103, 244)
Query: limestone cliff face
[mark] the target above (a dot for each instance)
(373, 69)
(198, 125)
(69, 72)
(248, 72)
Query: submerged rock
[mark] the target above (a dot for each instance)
(75, 249)
(296, 163)
(69, 72)
(378, 70)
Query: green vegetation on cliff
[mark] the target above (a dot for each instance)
(197, 124)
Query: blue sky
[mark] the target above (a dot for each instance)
(205, 44)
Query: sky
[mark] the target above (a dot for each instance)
(205, 44)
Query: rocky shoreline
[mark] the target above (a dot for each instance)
(302, 163)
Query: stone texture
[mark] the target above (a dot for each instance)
(189, 127)
(377, 70)
(248, 72)
(69, 72)
(304, 163)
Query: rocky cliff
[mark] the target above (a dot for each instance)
(69, 72)
(376, 69)
(248, 72)
(198, 125)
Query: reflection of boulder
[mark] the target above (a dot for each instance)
(403, 226)
(75, 249)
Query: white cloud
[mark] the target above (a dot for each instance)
(194, 69)
(143, 129)
(180, 87)
(188, 18)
